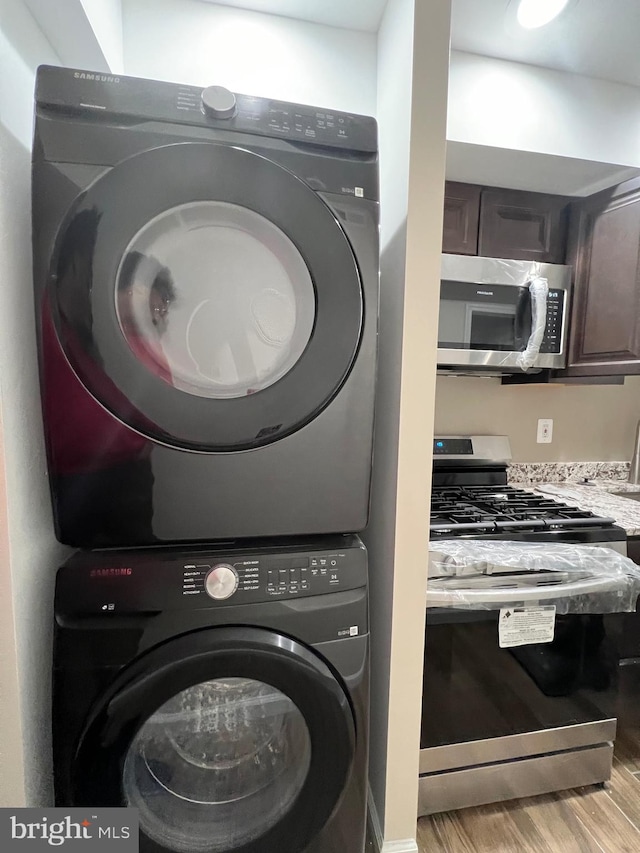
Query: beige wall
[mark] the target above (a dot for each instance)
(12, 791)
(28, 550)
(413, 61)
(590, 422)
(393, 113)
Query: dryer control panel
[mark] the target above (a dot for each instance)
(98, 95)
(120, 582)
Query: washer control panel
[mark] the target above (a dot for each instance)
(129, 582)
(282, 575)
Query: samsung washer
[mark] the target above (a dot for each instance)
(222, 693)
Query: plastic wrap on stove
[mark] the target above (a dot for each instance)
(472, 574)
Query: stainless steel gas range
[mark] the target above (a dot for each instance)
(502, 721)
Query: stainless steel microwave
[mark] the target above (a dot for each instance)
(499, 315)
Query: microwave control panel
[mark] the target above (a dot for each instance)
(552, 340)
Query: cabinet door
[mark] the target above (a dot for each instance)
(523, 226)
(461, 211)
(604, 248)
(633, 549)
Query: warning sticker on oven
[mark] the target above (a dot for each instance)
(520, 626)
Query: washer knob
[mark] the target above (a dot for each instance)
(218, 102)
(221, 582)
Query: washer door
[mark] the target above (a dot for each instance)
(226, 739)
(207, 297)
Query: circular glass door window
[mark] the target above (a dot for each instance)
(215, 299)
(217, 765)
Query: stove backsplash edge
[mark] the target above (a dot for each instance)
(525, 473)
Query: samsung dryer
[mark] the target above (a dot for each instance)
(206, 276)
(222, 693)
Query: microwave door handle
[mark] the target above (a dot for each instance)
(538, 290)
(484, 599)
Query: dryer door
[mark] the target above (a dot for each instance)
(226, 739)
(207, 297)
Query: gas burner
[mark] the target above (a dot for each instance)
(476, 510)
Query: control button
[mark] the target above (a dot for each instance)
(221, 582)
(218, 102)
(294, 575)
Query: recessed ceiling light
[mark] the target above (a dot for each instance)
(532, 14)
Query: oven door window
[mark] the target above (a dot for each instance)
(494, 318)
(474, 690)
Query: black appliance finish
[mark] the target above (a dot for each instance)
(206, 274)
(224, 693)
(500, 723)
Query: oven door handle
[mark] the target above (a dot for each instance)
(483, 599)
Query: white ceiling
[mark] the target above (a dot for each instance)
(597, 38)
(529, 170)
(350, 14)
(594, 38)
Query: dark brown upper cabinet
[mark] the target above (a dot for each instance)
(604, 249)
(599, 236)
(461, 212)
(523, 226)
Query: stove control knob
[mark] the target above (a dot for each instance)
(221, 582)
(218, 102)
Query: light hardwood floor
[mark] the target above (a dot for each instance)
(585, 820)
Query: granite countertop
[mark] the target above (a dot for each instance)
(587, 485)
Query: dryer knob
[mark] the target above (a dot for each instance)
(218, 102)
(221, 582)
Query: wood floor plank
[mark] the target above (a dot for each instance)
(543, 824)
(558, 825)
(624, 790)
(500, 828)
(604, 821)
(443, 833)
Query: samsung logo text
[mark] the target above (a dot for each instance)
(100, 78)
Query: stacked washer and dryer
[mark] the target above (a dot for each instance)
(206, 274)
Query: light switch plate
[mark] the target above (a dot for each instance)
(545, 431)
